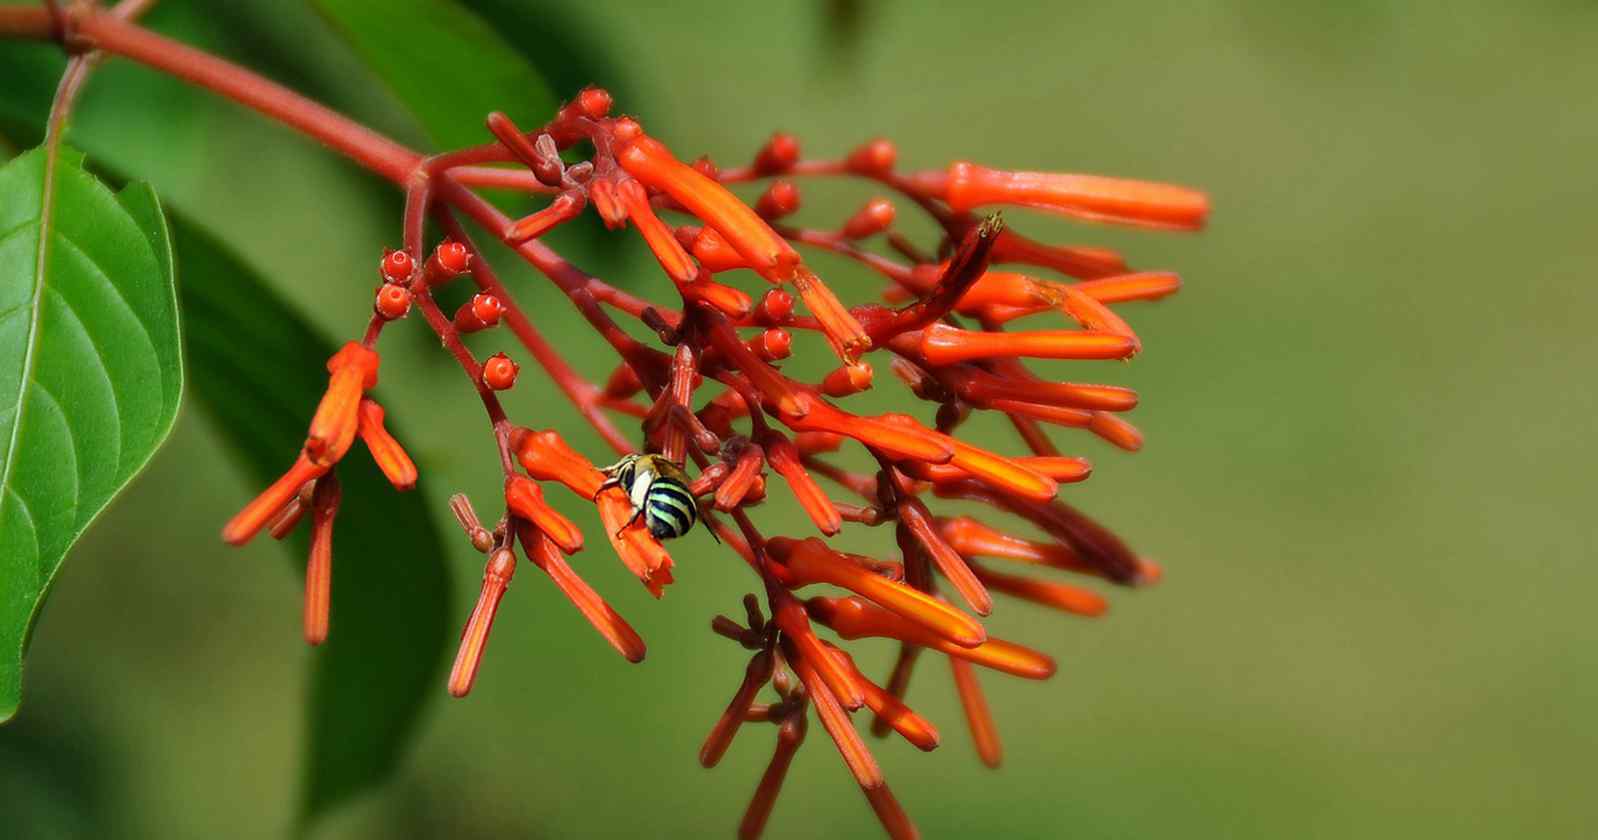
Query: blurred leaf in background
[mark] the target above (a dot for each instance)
(256, 365)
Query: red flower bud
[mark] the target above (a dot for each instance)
(593, 102)
(499, 372)
(479, 313)
(875, 217)
(393, 301)
(775, 308)
(449, 259)
(873, 158)
(396, 267)
(779, 154)
(780, 199)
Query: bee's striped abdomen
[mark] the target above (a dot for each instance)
(669, 509)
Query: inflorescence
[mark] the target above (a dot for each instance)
(717, 402)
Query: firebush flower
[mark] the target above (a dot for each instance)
(714, 405)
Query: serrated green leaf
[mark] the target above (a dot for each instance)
(91, 370)
(444, 64)
(258, 368)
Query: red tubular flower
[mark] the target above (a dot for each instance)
(893, 712)
(794, 622)
(855, 618)
(566, 206)
(662, 242)
(917, 531)
(1147, 286)
(640, 552)
(648, 160)
(615, 629)
(474, 639)
(983, 733)
(784, 458)
(248, 522)
(811, 561)
(942, 344)
(789, 736)
(391, 458)
(746, 468)
(319, 566)
(721, 735)
(1092, 197)
(1085, 263)
(1069, 599)
(353, 371)
(809, 666)
(526, 500)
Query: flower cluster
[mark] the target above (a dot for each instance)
(713, 398)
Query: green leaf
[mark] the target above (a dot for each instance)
(258, 369)
(91, 369)
(444, 64)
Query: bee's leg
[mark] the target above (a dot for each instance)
(637, 514)
(711, 530)
(610, 481)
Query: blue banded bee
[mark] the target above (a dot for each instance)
(658, 489)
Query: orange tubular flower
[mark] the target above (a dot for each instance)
(1090, 197)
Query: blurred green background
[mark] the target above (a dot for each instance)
(1369, 469)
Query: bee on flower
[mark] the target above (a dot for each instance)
(659, 492)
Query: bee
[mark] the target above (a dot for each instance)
(658, 490)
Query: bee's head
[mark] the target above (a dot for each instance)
(624, 465)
